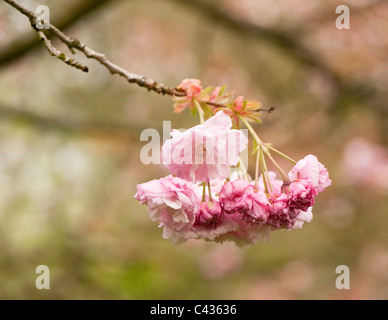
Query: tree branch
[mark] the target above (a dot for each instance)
(24, 44)
(60, 55)
(73, 43)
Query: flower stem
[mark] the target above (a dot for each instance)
(204, 192)
(257, 170)
(282, 173)
(200, 111)
(265, 175)
(251, 130)
(280, 153)
(210, 191)
(244, 170)
(263, 148)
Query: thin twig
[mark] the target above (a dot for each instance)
(73, 43)
(25, 44)
(220, 105)
(60, 55)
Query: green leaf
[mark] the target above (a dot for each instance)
(193, 112)
(229, 105)
(208, 90)
(223, 89)
(207, 110)
(245, 104)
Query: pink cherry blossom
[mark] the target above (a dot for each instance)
(212, 232)
(310, 167)
(231, 193)
(282, 216)
(324, 180)
(244, 233)
(254, 207)
(215, 94)
(192, 87)
(235, 209)
(302, 217)
(206, 151)
(210, 214)
(193, 90)
(241, 107)
(171, 201)
(301, 194)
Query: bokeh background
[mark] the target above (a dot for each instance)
(70, 147)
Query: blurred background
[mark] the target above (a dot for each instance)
(70, 147)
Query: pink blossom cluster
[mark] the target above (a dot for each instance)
(206, 151)
(237, 210)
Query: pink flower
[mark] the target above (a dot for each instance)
(231, 194)
(220, 96)
(324, 180)
(302, 217)
(226, 224)
(301, 194)
(281, 216)
(250, 110)
(206, 151)
(193, 90)
(232, 227)
(171, 201)
(192, 87)
(310, 167)
(243, 233)
(254, 207)
(210, 214)
(239, 103)
(215, 94)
